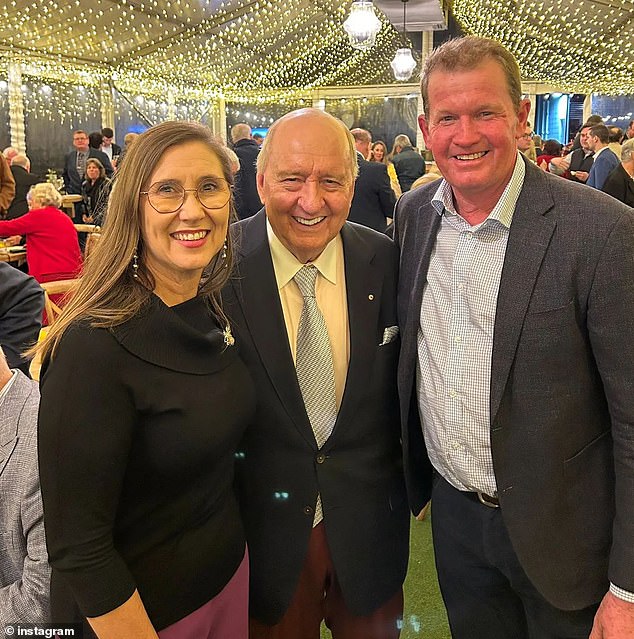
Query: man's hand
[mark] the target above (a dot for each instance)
(614, 619)
(423, 513)
(13, 240)
(582, 176)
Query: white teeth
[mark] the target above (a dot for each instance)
(471, 156)
(311, 222)
(198, 235)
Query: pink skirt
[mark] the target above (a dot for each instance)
(225, 616)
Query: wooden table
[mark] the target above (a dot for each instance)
(68, 203)
(14, 257)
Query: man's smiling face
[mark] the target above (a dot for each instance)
(473, 127)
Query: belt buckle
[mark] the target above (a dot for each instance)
(486, 500)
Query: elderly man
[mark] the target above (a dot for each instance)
(408, 162)
(246, 148)
(374, 199)
(24, 180)
(319, 473)
(24, 569)
(7, 186)
(516, 298)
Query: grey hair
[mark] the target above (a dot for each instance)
(627, 150)
(46, 193)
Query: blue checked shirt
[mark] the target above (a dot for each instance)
(455, 338)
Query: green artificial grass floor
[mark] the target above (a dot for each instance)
(425, 616)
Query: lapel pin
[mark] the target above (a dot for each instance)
(370, 297)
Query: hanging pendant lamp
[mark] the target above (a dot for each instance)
(403, 64)
(362, 25)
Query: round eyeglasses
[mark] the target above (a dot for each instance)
(168, 197)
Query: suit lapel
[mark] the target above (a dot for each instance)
(256, 291)
(427, 223)
(10, 411)
(529, 237)
(364, 284)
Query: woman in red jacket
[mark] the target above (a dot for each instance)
(52, 249)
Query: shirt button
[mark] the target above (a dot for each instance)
(461, 287)
(457, 339)
(321, 458)
(308, 510)
(452, 393)
(455, 445)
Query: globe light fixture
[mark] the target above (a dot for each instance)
(403, 64)
(362, 25)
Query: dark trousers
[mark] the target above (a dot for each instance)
(318, 597)
(486, 592)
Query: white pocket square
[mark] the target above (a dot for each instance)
(389, 335)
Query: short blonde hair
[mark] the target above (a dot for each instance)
(46, 194)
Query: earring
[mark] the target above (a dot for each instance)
(135, 265)
(223, 255)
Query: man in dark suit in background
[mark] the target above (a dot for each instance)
(247, 200)
(516, 298)
(23, 182)
(374, 198)
(408, 162)
(75, 168)
(21, 306)
(577, 164)
(319, 474)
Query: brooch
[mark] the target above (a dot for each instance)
(228, 337)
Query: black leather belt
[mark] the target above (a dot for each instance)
(483, 498)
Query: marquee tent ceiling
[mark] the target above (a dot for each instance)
(266, 49)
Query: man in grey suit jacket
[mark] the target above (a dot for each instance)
(24, 569)
(516, 299)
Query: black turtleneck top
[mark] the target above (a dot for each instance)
(137, 468)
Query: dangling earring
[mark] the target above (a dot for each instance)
(135, 265)
(223, 255)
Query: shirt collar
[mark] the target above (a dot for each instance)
(286, 265)
(598, 153)
(5, 391)
(442, 201)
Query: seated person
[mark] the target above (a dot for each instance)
(21, 305)
(95, 190)
(52, 249)
(24, 180)
(24, 570)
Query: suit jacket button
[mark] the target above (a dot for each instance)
(308, 510)
(321, 458)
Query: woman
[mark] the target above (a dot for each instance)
(95, 190)
(378, 153)
(552, 149)
(52, 249)
(143, 529)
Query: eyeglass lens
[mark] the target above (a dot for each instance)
(167, 197)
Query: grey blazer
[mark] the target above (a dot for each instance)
(24, 569)
(562, 381)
